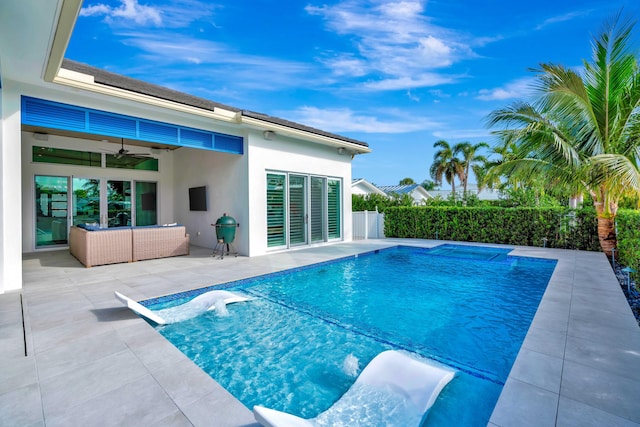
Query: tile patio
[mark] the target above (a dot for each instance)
(90, 361)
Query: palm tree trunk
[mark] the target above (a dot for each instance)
(466, 178)
(453, 187)
(606, 230)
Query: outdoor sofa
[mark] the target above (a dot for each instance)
(98, 246)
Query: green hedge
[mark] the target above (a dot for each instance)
(561, 227)
(628, 225)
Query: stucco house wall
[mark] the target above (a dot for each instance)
(225, 176)
(305, 159)
(33, 65)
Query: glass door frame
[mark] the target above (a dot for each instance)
(37, 200)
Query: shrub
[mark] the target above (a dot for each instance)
(628, 226)
(552, 227)
(371, 202)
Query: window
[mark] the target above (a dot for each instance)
(84, 158)
(65, 157)
(132, 162)
(302, 209)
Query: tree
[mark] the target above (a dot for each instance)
(583, 131)
(469, 158)
(446, 162)
(427, 184)
(407, 181)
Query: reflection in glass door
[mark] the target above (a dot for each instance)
(118, 203)
(146, 203)
(86, 201)
(51, 199)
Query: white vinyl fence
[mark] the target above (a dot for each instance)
(368, 225)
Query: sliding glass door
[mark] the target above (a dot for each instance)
(276, 210)
(297, 210)
(118, 203)
(317, 209)
(52, 208)
(302, 209)
(146, 203)
(62, 201)
(86, 201)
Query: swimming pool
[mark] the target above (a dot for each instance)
(298, 345)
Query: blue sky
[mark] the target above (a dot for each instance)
(398, 75)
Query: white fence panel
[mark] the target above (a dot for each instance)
(368, 225)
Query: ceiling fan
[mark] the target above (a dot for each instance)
(122, 152)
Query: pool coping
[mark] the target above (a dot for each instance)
(90, 359)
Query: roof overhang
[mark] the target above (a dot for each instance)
(369, 186)
(306, 135)
(86, 82)
(69, 11)
(35, 54)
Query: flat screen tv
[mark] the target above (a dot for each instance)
(198, 199)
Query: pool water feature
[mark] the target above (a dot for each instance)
(297, 344)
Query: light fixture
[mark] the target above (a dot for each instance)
(340, 150)
(40, 136)
(268, 134)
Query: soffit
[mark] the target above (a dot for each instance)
(27, 28)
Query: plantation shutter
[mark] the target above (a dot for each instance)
(333, 209)
(276, 230)
(317, 209)
(297, 210)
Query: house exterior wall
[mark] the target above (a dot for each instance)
(236, 184)
(10, 198)
(225, 176)
(361, 190)
(267, 156)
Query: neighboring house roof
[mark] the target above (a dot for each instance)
(416, 191)
(485, 194)
(138, 86)
(405, 189)
(362, 186)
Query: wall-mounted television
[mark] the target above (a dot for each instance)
(198, 199)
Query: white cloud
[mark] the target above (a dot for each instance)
(562, 18)
(192, 59)
(413, 97)
(129, 10)
(520, 88)
(410, 82)
(346, 120)
(176, 14)
(394, 44)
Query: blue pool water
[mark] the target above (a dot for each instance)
(299, 343)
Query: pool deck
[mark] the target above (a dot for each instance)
(90, 361)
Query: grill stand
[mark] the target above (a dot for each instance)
(223, 249)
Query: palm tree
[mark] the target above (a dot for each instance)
(446, 162)
(583, 131)
(469, 158)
